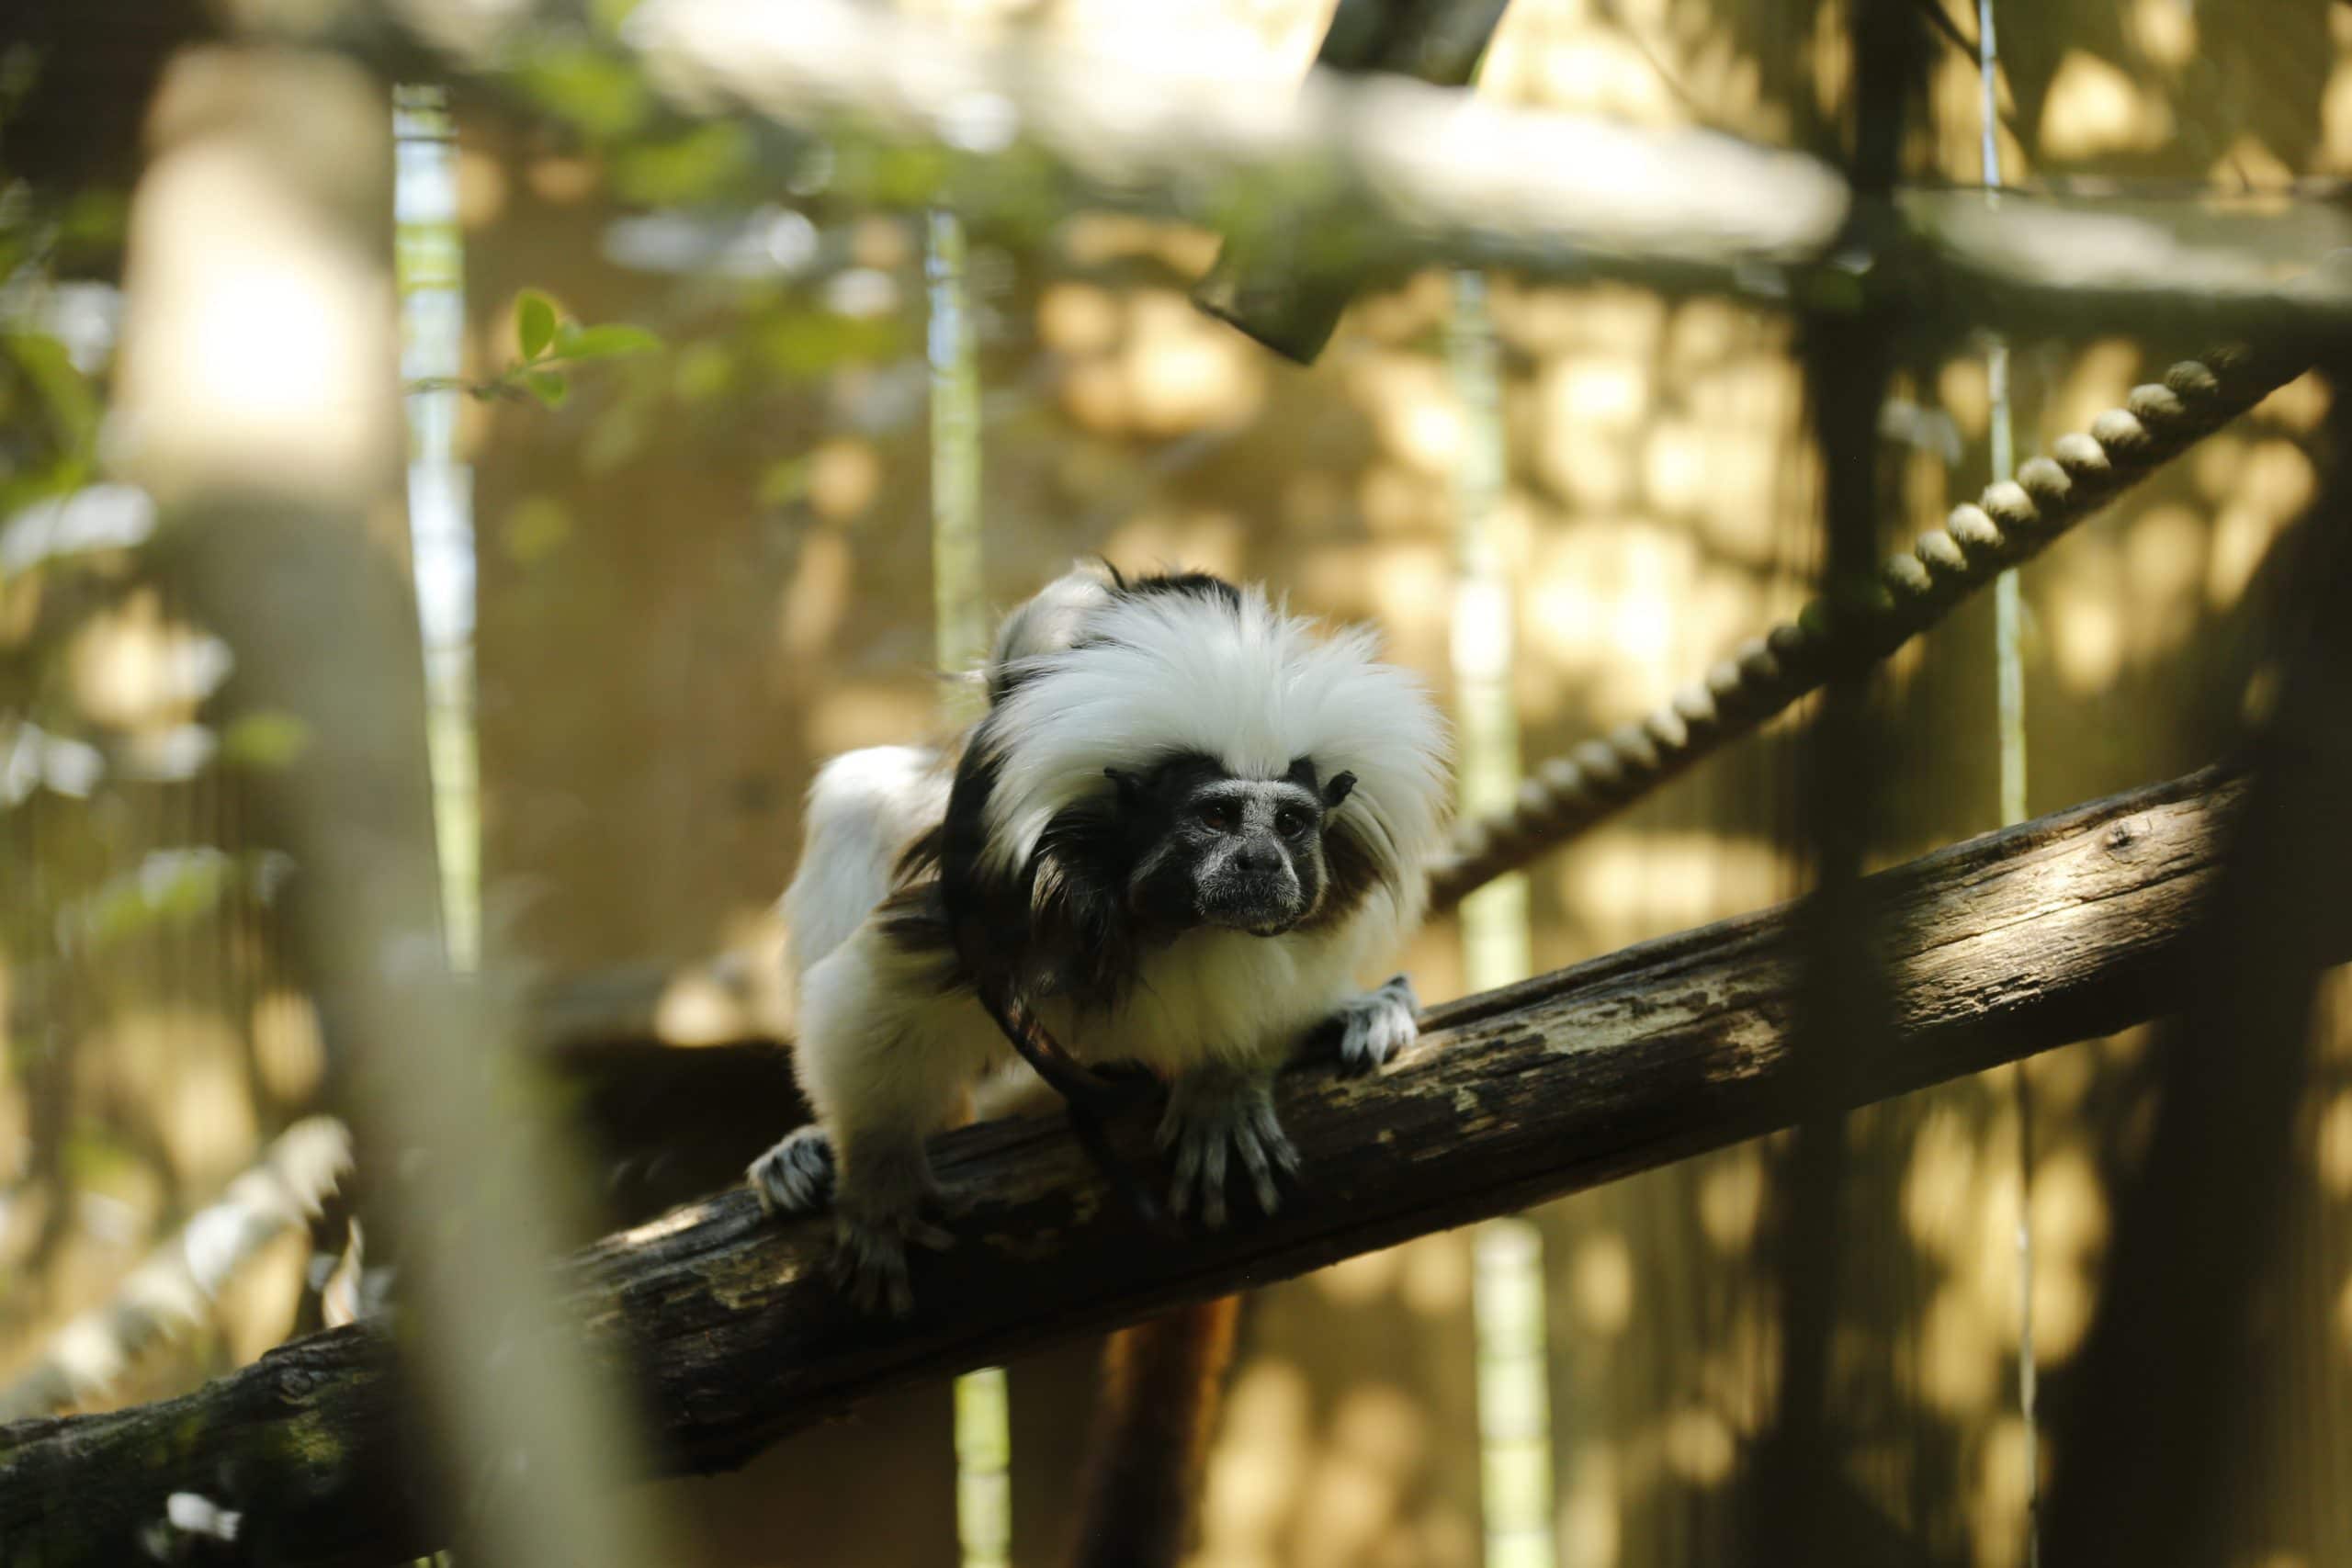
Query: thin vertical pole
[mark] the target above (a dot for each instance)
(430, 252)
(1514, 1390)
(2008, 612)
(983, 1422)
(1514, 1395)
(984, 1469)
(1494, 919)
(959, 616)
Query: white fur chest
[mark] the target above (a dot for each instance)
(1215, 996)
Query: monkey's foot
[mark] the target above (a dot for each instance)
(797, 1176)
(1211, 1117)
(885, 1202)
(1373, 1028)
(870, 1256)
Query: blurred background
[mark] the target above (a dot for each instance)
(657, 591)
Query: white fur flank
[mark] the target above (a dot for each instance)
(1254, 689)
(863, 810)
(885, 1055)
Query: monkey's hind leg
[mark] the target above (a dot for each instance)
(875, 1218)
(886, 1058)
(1215, 1113)
(882, 1208)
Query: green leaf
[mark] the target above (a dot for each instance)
(549, 386)
(603, 97)
(264, 739)
(615, 340)
(701, 165)
(702, 371)
(73, 405)
(535, 529)
(785, 480)
(534, 320)
(172, 887)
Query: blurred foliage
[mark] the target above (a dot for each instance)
(64, 815)
(552, 348)
(130, 906)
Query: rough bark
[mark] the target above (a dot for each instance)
(2060, 929)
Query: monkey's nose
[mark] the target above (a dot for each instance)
(1260, 859)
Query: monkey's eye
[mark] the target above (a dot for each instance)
(1290, 821)
(1222, 815)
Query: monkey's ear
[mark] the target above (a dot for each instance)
(1302, 773)
(1337, 790)
(1128, 786)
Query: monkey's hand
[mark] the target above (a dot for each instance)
(1213, 1114)
(1370, 1030)
(797, 1176)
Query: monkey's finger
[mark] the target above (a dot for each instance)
(1188, 1167)
(882, 1282)
(932, 1237)
(1261, 1175)
(853, 1276)
(1269, 1131)
(901, 1290)
(1213, 1182)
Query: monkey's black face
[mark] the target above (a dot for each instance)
(1244, 854)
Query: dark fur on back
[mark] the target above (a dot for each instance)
(1199, 584)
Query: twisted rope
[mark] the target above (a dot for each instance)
(2013, 521)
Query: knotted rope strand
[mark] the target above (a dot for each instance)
(2013, 521)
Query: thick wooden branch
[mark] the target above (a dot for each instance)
(1387, 174)
(1370, 176)
(1263, 292)
(2064, 928)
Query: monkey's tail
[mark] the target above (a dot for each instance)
(1162, 1380)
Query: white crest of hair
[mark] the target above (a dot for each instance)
(864, 808)
(1046, 622)
(1252, 686)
